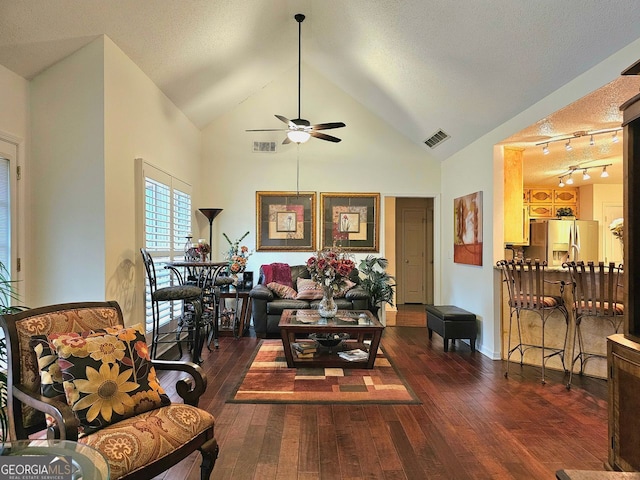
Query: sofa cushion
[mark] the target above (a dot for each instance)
(308, 290)
(282, 291)
(348, 285)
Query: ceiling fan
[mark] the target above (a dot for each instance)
(300, 130)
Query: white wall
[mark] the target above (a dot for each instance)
(140, 121)
(92, 114)
(66, 260)
(372, 157)
(470, 170)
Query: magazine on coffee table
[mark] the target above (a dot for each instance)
(354, 355)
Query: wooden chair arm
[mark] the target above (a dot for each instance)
(67, 422)
(189, 389)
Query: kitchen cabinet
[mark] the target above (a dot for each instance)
(544, 202)
(540, 195)
(516, 216)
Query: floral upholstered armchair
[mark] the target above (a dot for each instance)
(76, 371)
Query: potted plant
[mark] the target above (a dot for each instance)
(565, 213)
(7, 294)
(375, 280)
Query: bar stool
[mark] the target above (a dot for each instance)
(527, 291)
(191, 319)
(597, 292)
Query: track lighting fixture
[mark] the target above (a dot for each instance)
(567, 138)
(585, 173)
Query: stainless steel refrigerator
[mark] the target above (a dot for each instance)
(559, 241)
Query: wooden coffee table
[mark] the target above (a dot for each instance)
(360, 325)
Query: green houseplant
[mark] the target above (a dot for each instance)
(375, 280)
(7, 294)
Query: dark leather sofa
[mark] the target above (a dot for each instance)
(267, 307)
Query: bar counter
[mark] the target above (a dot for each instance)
(594, 330)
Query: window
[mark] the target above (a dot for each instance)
(167, 221)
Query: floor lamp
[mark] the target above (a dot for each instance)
(210, 213)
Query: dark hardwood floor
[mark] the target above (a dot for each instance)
(472, 424)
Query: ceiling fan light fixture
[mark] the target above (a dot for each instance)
(298, 136)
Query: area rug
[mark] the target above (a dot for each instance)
(269, 380)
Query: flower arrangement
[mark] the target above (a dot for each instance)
(236, 256)
(564, 212)
(617, 228)
(329, 268)
(203, 249)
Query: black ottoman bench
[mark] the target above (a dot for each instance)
(451, 323)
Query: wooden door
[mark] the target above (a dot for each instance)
(414, 243)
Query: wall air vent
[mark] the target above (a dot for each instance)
(264, 147)
(436, 139)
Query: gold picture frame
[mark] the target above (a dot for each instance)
(286, 221)
(350, 221)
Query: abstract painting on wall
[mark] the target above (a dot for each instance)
(467, 225)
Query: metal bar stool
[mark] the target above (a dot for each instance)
(191, 319)
(597, 292)
(527, 289)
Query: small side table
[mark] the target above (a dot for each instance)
(234, 321)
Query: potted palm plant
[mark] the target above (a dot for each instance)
(375, 280)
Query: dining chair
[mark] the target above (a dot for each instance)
(597, 293)
(529, 290)
(190, 318)
(62, 366)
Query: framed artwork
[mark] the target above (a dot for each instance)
(286, 221)
(350, 221)
(467, 225)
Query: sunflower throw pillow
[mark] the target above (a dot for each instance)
(108, 378)
(47, 359)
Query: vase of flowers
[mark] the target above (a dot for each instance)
(203, 249)
(236, 256)
(329, 268)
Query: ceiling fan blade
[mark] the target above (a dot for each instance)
(268, 130)
(324, 136)
(327, 126)
(286, 120)
(286, 140)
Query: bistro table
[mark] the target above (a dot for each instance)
(204, 275)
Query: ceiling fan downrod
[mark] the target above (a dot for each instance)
(299, 18)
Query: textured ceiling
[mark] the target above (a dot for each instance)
(423, 65)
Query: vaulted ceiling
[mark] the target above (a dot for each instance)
(422, 65)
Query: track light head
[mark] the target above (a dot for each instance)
(585, 175)
(614, 138)
(545, 149)
(568, 146)
(604, 173)
(592, 142)
(561, 184)
(569, 180)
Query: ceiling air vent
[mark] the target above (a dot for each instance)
(436, 139)
(264, 147)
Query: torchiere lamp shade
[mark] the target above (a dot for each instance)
(210, 213)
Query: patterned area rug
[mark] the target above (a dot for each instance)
(268, 380)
